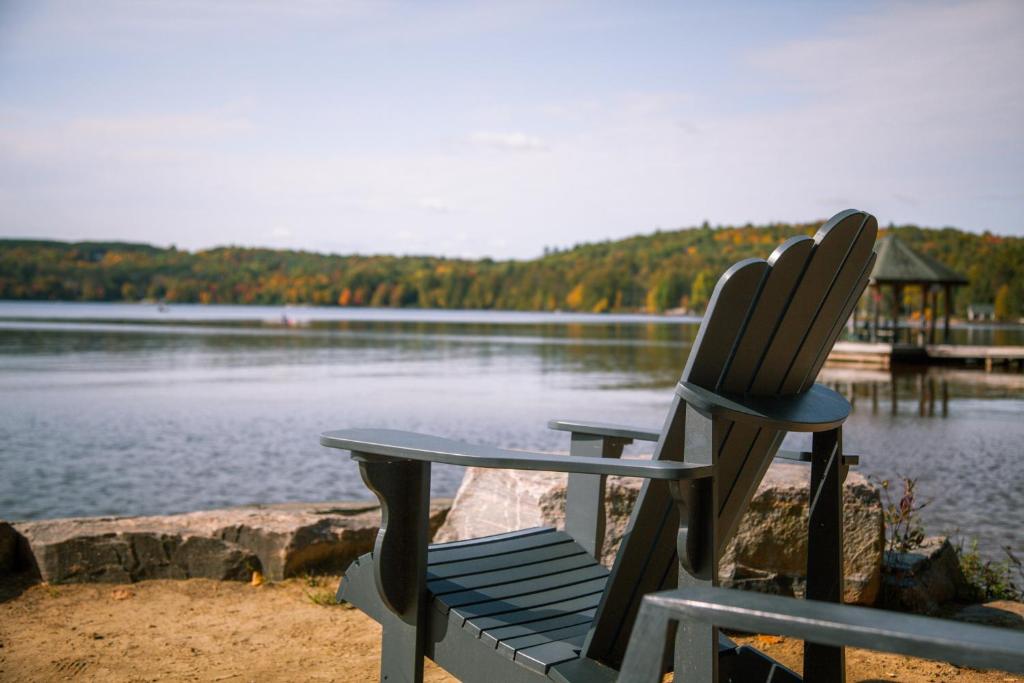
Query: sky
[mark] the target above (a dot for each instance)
(498, 129)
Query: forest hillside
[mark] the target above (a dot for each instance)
(655, 272)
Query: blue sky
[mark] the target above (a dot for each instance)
(497, 129)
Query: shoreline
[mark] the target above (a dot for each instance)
(161, 619)
(203, 630)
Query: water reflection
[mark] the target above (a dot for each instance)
(137, 417)
(924, 390)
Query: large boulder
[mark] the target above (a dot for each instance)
(768, 552)
(278, 540)
(925, 578)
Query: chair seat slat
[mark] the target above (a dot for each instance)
(525, 587)
(496, 635)
(442, 554)
(506, 561)
(569, 634)
(530, 572)
(568, 606)
(536, 599)
(542, 657)
(493, 538)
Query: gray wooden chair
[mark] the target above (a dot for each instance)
(535, 604)
(983, 647)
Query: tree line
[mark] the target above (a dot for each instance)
(665, 270)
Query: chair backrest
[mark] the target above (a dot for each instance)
(768, 329)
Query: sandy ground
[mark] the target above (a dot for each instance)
(201, 630)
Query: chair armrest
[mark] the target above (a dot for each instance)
(388, 443)
(835, 624)
(818, 409)
(605, 429)
(807, 456)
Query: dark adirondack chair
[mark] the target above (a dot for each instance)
(983, 647)
(535, 604)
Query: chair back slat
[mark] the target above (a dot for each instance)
(767, 331)
(734, 297)
(832, 244)
(840, 290)
(840, 323)
(787, 265)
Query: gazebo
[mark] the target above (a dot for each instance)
(898, 266)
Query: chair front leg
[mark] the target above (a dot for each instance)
(696, 654)
(400, 561)
(825, 549)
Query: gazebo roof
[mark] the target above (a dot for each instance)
(898, 263)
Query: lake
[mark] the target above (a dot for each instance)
(123, 409)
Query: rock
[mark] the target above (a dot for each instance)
(925, 578)
(491, 501)
(768, 552)
(111, 550)
(279, 541)
(8, 548)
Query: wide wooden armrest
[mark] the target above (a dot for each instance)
(605, 429)
(807, 456)
(394, 444)
(816, 410)
(829, 623)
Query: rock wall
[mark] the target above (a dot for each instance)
(278, 540)
(768, 552)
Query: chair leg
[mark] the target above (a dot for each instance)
(400, 562)
(825, 663)
(696, 655)
(401, 652)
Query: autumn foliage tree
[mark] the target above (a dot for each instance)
(656, 272)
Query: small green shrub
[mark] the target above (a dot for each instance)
(988, 579)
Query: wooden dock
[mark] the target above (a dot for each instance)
(881, 355)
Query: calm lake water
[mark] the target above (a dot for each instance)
(116, 409)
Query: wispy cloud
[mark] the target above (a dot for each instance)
(516, 141)
(435, 204)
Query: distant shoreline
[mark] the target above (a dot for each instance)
(285, 314)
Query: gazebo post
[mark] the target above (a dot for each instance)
(897, 295)
(934, 292)
(876, 300)
(922, 336)
(948, 306)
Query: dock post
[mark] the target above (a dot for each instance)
(922, 397)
